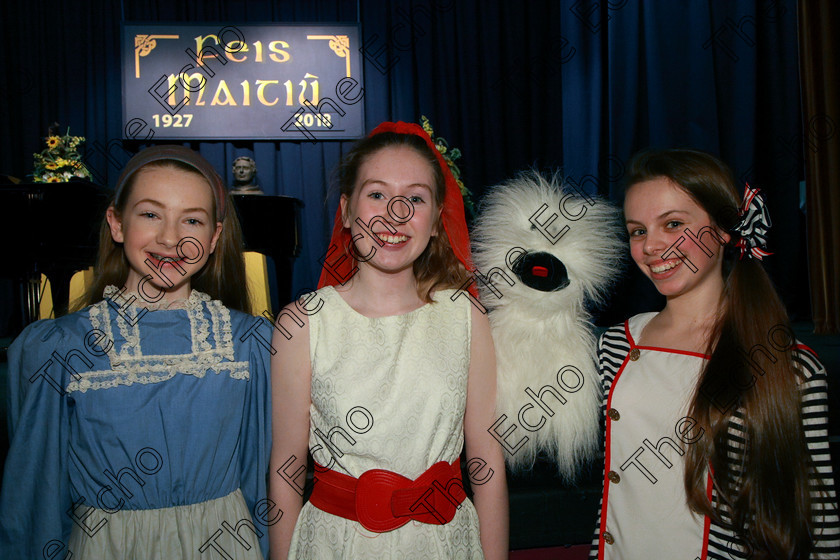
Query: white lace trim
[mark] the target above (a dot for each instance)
(155, 372)
(221, 318)
(193, 301)
(200, 328)
(129, 365)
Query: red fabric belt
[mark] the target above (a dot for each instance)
(383, 500)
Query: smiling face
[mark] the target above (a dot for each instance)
(164, 207)
(392, 172)
(658, 214)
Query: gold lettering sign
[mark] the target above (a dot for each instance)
(266, 81)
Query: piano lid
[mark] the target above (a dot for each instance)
(270, 224)
(47, 226)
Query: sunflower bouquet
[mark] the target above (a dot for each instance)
(60, 161)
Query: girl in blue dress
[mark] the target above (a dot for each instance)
(139, 424)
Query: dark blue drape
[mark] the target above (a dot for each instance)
(574, 84)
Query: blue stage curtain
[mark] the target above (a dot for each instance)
(577, 84)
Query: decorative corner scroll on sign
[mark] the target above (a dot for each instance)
(143, 45)
(340, 45)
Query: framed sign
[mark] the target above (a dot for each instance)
(252, 82)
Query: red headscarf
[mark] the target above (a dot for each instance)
(338, 265)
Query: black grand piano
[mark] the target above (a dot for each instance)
(52, 228)
(271, 226)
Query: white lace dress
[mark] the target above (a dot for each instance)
(388, 393)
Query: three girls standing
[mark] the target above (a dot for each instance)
(149, 436)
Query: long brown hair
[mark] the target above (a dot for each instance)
(222, 277)
(437, 267)
(768, 497)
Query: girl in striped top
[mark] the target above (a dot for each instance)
(716, 418)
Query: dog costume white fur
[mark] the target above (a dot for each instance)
(543, 250)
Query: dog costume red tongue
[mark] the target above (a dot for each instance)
(540, 271)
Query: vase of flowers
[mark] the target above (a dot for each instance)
(60, 161)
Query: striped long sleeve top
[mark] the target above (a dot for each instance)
(617, 350)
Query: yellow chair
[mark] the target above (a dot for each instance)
(78, 284)
(256, 272)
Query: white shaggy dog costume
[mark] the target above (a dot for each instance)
(542, 250)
